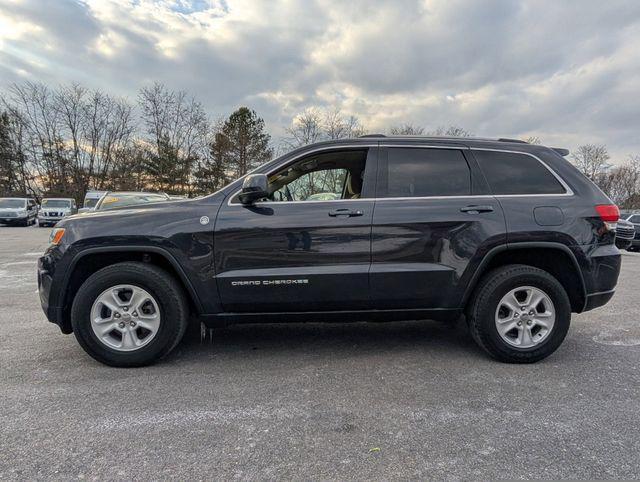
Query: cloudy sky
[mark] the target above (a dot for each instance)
(566, 71)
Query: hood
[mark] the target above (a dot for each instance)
(154, 220)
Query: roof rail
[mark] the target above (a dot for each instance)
(519, 141)
(372, 135)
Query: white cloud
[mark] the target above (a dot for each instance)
(568, 72)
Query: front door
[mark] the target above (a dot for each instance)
(308, 246)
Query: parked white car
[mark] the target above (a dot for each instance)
(53, 210)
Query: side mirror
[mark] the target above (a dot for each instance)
(84, 210)
(254, 187)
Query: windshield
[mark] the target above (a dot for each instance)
(56, 203)
(116, 200)
(12, 203)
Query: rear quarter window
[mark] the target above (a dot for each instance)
(512, 173)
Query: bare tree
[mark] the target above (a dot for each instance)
(313, 125)
(336, 126)
(622, 183)
(97, 127)
(306, 128)
(451, 131)
(32, 105)
(406, 130)
(177, 128)
(592, 160)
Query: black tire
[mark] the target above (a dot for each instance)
(482, 308)
(161, 285)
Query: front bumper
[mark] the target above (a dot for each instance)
(47, 292)
(48, 220)
(15, 220)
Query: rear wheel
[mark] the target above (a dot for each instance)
(129, 314)
(520, 314)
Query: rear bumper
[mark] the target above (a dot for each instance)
(600, 270)
(596, 300)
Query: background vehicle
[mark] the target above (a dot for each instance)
(112, 200)
(53, 210)
(625, 232)
(507, 233)
(90, 200)
(635, 220)
(18, 211)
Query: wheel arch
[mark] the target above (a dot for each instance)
(548, 256)
(90, 260)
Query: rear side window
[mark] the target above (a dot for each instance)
(418, 172)
(510, 173)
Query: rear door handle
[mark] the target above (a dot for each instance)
(477, 209)
(345, 212)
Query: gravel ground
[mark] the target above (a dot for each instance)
(412, 400)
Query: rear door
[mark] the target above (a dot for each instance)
(302, 250)
(433, 222)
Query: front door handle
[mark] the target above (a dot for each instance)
(345, 212)
(477, 209)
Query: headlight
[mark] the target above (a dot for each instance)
(56, 236)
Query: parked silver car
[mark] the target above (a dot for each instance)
(18, 211)
(634, 219)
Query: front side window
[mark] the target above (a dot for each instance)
(326, 176)
(426, 172)
(512, 173)
(635, 219)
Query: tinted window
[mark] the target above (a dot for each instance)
(635, 219)
(427, 172)
(509, 173)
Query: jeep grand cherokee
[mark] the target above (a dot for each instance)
(508, 234)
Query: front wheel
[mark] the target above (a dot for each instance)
(520, 314)
(129, 314)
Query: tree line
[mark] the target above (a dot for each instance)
(66, 140)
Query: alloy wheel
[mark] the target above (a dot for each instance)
(525, 317)
(125, 317)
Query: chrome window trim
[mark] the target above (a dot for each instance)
(568, 190)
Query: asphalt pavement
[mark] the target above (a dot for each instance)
(410, 400)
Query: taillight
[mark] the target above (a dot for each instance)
(609, 213)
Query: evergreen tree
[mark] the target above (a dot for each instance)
(245, 142)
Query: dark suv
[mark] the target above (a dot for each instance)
(376, 228)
